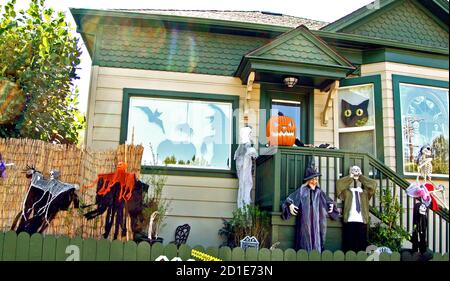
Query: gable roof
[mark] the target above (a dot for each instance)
(297, 52)
(405, 21)
(440, 8)
(256, 17)
(300, 46)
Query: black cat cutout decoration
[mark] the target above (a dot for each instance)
(354, 115)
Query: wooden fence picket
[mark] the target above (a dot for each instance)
(130, 251)
(361, 256)
(302, 255)
(78, 242)
(264, 254)
(103, 250)
(171, 251)
(277, 255)
(327, 256)
(23, 247)
(157, 250)
(251, 254)
(290, 255)
(9, 246)
(338, 256)
(49, 248)
(36, 247)
(212, 251)
(225, 253)
(116, 252)
(385, 257)
(395, 256)
(314, 255)
(238, 254)
(184, 252)
(89, 250)
(2, 236)
(143, 251)
(350, 256)
(61, 245)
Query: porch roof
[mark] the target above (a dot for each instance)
(296, 53)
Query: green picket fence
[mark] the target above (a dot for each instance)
(37, 247)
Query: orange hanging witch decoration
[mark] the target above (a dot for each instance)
(126, 180)
(115, 191)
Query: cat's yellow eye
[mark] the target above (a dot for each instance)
(348, 113)
(359, 112)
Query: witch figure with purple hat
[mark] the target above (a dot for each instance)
(311, 206)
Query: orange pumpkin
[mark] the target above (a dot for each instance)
(280, 130)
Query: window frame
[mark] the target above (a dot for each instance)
(181, 171)
(375, 80)
(423, 82)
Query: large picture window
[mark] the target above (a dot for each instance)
(424, 120)
(183, 133)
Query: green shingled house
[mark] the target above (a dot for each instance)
(187, 81)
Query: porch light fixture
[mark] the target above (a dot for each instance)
(290, 81)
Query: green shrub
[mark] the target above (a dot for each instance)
(247, 221)
(387, 232)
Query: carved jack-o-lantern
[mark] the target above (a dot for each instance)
(280, 130)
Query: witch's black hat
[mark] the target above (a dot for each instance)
(311, 171)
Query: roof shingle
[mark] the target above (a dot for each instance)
(238, 16)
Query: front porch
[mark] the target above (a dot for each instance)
(280, 171)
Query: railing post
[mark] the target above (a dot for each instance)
(366, 165)
(345, 164)
(277, 183)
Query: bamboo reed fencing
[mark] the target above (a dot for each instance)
(76, 165)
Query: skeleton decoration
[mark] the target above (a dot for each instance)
(244, 156)
(424, 166)
(355, 172)
(3, 166)
(44, 198)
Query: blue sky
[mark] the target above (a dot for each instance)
(324, 10)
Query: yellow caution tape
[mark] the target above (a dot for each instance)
(202, 256)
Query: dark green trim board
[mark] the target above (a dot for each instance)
(406, 57)
(375, 80)
(234, 100)
(302, 94)
(396, 80)
(365, 42)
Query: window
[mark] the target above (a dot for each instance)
(183, 133)
(288, 108)
(357, 118)
(424, 112)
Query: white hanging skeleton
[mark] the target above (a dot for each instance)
(53, 187)
(425, 168)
